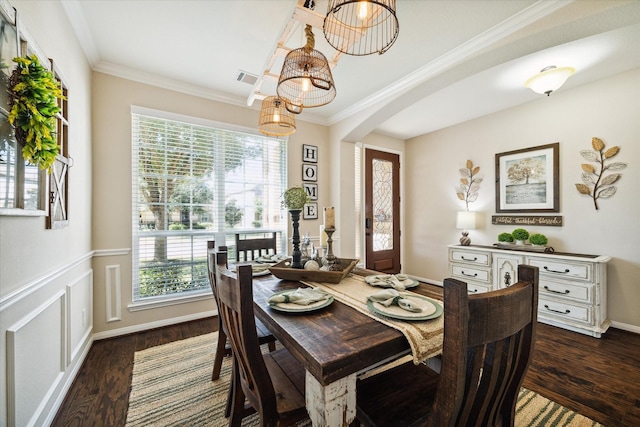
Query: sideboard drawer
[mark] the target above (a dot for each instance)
(475, 257)
(465, 273)
(562, 310)
(472, 289)
(560, 268)
(569, 291)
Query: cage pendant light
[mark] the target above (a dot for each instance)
(305, 80)
(275, 119)
(361, 27)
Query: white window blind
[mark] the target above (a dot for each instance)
(193, 182)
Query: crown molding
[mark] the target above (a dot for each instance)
(80, 27)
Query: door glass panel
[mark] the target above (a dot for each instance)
(382, 201)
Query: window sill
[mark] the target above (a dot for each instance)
(170, 300)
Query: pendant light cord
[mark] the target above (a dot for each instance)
(311, 40)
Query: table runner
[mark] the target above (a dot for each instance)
(425, 337)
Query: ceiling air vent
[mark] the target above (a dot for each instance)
(245, 77)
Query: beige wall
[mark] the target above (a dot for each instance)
(112, 101)
(608, 109)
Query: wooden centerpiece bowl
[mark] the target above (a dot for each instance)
(283, 270)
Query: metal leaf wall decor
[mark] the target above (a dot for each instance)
(594, 181)
(469, 186)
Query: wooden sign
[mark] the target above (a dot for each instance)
(554, 221)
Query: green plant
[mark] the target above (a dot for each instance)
(505, 237)
(520, 234)
(34, 94)
(177, 226)
(538, 239)
(295, 198)
(163, 278)
(232, 214)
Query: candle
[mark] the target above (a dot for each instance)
(323, 237)
(329, 218)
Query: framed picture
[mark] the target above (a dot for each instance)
(309, 172)
(309, 153)
(527, 180)
(310, 211)
(311, 189)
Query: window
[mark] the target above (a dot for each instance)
(194, 181)
(22, 184)
(59, 178)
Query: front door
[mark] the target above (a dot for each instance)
(382, 211)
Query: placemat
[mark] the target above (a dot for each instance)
(425, 337)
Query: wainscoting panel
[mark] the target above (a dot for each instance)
(80, 314)
(113, 292)
(36, 360)
(46, 330)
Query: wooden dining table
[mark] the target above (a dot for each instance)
(334, 344)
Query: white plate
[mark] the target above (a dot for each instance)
(257, 269)
(430, 309)
(298, 308)
(261, 273)
(271, 259)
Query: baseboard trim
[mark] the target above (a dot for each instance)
(626, 327)
(152, 325)
(69, 381)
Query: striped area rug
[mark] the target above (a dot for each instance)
(172, 386)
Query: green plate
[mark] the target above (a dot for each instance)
(290, 307)
(431, 308)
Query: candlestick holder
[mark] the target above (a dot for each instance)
(333, 263)
(296, 255)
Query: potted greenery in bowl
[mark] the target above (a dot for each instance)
(34, 95)
(520, 235)
(538, 239)
(294, 200)
(505, 238)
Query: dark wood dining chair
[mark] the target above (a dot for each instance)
(273, 383)
(253, 248)
(223, 348)
(488, 344)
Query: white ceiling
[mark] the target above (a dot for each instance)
(453, 60)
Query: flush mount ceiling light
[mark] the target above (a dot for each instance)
(549, 79)
(361, 27)
(305, 80)
(275, 119)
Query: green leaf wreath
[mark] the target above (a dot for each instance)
(35, 93)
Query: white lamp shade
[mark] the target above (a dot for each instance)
(549, 79)
(466, 220)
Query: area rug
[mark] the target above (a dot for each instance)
(171, 386)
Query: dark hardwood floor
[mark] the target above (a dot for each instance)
(599, 378)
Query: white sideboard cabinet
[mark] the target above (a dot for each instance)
(572, 291)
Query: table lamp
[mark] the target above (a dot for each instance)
(466, 221)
